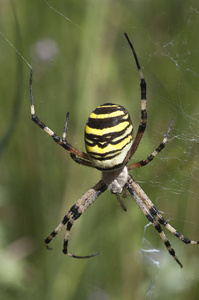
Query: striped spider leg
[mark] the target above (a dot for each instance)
(110, 144)
(62, 142)
(154, 217)
(146, 161)
(142, 126)
(74, 213)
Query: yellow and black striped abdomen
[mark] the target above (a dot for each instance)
(108, 136)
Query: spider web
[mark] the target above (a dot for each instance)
(182, 150)
(175, 178)
(180, 182)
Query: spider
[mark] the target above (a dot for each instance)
(110, 144)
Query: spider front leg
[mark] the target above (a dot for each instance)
(154, 212)
(74, 213)
(150, 217)
(156, 218)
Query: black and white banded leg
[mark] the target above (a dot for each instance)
(74, 213)
(151, 219)
(142, 126)
(146, 161)
(154, 217)
(82, 157)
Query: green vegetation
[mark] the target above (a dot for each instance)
(87, 62)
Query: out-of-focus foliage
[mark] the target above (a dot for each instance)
(80, 60)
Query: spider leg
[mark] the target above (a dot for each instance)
(85, 161)
(81, 161)
(62, 142)
(142, 125)
(154, 154)
(74, 213)
(150, 217)
(154, 212)
(163, 222)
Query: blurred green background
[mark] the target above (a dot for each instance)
(80, 60)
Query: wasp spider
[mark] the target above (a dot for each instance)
(110, 144)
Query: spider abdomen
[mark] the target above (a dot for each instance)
(109, 136)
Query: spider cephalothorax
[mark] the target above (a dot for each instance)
(110, 145)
